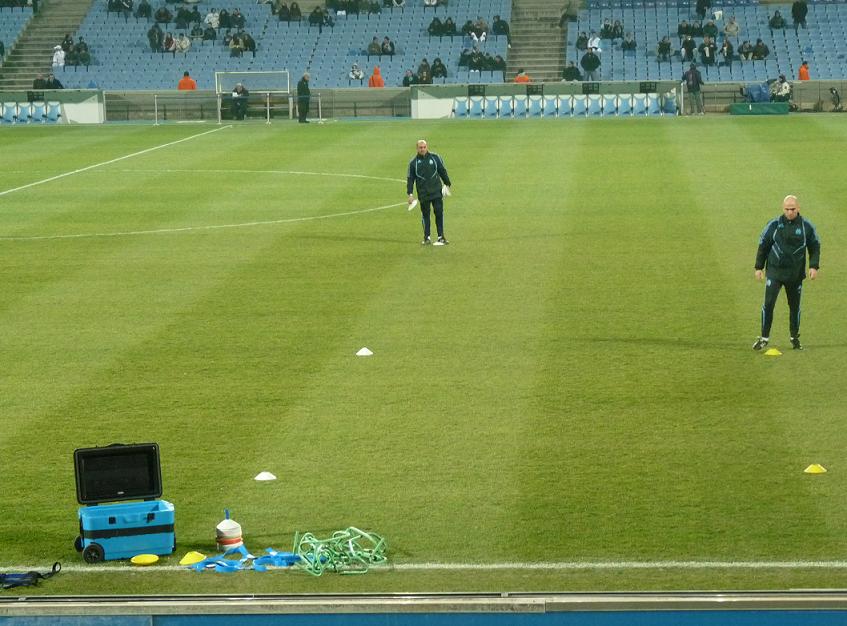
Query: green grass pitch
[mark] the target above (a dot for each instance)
(570, 381)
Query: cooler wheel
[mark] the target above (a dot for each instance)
(78, 544)
(93, 553)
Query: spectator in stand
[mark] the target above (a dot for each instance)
(236, 46)
(155, 37)
(424, 72)
(464, 57)
(40, 82)
(798, 13)
(476, 61)
(731, 28)
(376, 80)
(143, 10)
(228, 35)
(702, 7)
(388, 46)
(760, 51)
(727, 52)
(522, 77)
(213, 19)
(53, 82)
(283, 12)
(247, 41)
(467, 28)
(594, 43)
(803, 72)
(708, 51)
(606, 29)
(687, 49)
(480, 29)
(501, 27)
(435, 28)
(209, 34)
(439, 70)
(223, 18)
(67, 43)
(239, 101)
(3, 50)
(711, 30)
(83, 54)
(183, 43)
(776, 22)
(628, 44)
(682, 30)
(186, 83)
(196, 33)
(696, 29)
(236, 19)
(125, 7)
(780, 90)
(617, 30)
(182, 19)
(449, 29)
(374, 48)
(571, 73)
(295, 15)
(409, 79)
(664, 50)
(195, 17)
(163, 16)
(581, 42)
(745, 51)
(590, 63)
(169, 44)
(58, 56)
(356, 73)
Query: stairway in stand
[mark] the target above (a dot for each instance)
(537, 40)
(33, 52)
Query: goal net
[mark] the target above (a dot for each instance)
(255, 82)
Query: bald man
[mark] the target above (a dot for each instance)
(782, 250)
(427, 172)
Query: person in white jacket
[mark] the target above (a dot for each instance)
(58, 56)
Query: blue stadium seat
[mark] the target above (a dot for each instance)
(39, 111)
(24, 112)
(520, 106)
(624, 104)
(460, 107)
(475, 105)
(490, 109)
(535, 106)
(654, 106)
(580, 105)
(564, 106)
(595, 105)
(506, 106)
(639, 104)
(670, 106)
(10, 112)
(551, 106)
(610, 105)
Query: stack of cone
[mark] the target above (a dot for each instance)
(228, 534)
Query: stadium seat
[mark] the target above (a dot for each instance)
(10, 111)
(624, 104)
(506, 107)
(24, 111)
(460, 107)
(654, 106)
(535, 106)
(551, 106)
(670, 107)
(639, 104)
(520, 106)
(564, 106)
(39, 110)
(490, 109)
(475, 107)
(580, 105)
(595, 105)
(610, 105)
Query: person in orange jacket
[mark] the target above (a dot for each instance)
(803, 73)
(186, 83)
(376, 79)
(522, 76)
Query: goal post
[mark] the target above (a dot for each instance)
(271, 85)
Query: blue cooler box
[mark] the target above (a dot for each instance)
(122, 530)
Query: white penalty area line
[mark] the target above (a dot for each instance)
(491, 567)
(185, 229)
(104, 163)
(288, 172)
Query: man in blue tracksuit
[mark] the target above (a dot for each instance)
(782, 248)
(427, 171)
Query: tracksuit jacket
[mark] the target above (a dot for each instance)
(783, 245)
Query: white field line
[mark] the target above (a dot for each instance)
(184, 229)
(122, 158)
(290, 172)
(479, 567)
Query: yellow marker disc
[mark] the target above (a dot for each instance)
(191, 558)
(144, 559)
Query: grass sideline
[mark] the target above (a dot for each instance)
(569, 380)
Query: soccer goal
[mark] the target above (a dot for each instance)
(271, 88)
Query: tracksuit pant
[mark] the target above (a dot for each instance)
(437, 205)
(793, 291)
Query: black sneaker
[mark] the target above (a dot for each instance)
(426, 241)
(761, 342)
(441, 241)
(795, 343)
